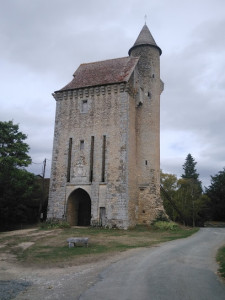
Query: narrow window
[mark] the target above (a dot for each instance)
(103, 157)
(91, 159)
(84, 106)
(146, 162)
(82, 145)
(69, 160)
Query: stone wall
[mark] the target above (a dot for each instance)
(107, 114)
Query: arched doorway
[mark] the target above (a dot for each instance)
(79, 208)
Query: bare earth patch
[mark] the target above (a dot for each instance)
(25, 245)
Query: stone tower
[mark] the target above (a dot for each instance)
(148, 125)
(106, 152)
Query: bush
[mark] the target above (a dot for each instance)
(54, 224)
(221, 260)
(163, 225)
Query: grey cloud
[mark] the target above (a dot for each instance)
(43, 42)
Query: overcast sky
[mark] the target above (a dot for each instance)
(44, 41)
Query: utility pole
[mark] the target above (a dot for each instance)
(44, 166)
(43, 190)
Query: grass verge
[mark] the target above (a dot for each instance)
(49, 247)
(221, 261)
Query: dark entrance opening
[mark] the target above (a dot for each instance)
(79, 208)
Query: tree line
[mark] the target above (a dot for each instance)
(20, 191)
(184, 199)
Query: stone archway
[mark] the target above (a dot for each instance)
(79, 208)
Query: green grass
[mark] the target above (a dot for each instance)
(50, 246)
(52, 254)
(221, 261)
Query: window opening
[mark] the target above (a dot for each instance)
(69, 160)
(146, 162)
(82, 145)
(84, 106)
(103, 157)
(91, 159)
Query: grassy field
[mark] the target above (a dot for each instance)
(49, 247)
(221, 261)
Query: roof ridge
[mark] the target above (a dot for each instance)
(98, 61)
(104, 72)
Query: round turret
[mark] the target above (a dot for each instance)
(145, 38)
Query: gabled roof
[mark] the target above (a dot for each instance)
(145, 38)
(102, 73)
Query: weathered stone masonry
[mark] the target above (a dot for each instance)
(105, 165)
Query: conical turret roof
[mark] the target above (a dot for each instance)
(145, 38)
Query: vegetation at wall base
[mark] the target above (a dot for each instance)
(163, 225)
(221, 261)
(54, 224)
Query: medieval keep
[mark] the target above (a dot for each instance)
(106, 152)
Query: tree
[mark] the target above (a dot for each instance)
(216, 192)
(13, 150)
(191, 201)
(190, 192)
(169, 184)
(19, 193)
(187, 203)
(189, 168)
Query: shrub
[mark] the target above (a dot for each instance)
(163, 225)
(54, 224)
(221, 260)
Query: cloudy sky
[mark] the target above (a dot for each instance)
(44, 41)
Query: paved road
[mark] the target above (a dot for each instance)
(180, 270)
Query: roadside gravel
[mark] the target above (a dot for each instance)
(24, 283)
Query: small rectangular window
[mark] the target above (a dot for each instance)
(82, 145)
(84, 106)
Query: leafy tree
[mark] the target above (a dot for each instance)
(189, 205)
(216, 192)
(169, 184)
(191, 201)
(19, 193)
(13, 150)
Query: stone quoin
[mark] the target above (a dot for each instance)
(106, 151)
